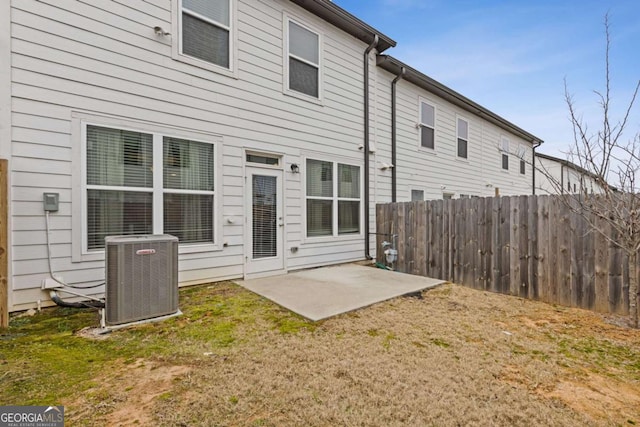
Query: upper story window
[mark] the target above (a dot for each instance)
(427, 125)
(303, 60)
(463, 137)
(205, 31)
(504, 147)
(522, 153)
(147, 183)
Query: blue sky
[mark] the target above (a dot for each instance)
(512, 56)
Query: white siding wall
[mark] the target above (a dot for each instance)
(551, 175)
(441, 171)
(76, 59)
(5, 108)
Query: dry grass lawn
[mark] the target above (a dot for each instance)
(456, 357)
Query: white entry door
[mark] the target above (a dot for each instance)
(265, 221)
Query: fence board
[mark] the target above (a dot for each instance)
(514, 247)
(445, 257)
(437, 240)
(532, 271)
(544, 241)
(505, 244)
(578, 264)
(421, 238)
(478, 273)
(410, 235)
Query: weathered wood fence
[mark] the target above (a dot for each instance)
(529, 246)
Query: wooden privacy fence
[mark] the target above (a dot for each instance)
(529, 246)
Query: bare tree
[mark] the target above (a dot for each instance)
(613, 164)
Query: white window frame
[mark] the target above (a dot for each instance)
(176, 37)
(285, 59)
(334, 198)
(80, 251)
(504, 151)
(466, 140)
(422, 125)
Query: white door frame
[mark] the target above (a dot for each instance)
(269, 265)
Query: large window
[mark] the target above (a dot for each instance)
(333, 198)
(303, 56)
(205, 29)
(463, 137)
(128, 193)
(427, 125)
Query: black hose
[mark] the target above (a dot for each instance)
(80, 304)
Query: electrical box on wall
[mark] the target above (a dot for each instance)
(51, 201)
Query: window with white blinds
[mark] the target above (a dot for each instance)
(333, 198)
(124, 194)
(303, 51)
(206, 30)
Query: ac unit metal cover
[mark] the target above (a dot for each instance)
(141, 277)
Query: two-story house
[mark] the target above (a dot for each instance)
(261, 133)
(560, 176)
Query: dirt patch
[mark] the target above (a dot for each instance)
(125, 394)
(600, 397)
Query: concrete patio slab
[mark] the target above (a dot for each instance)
(323, 292)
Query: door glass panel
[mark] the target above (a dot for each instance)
(265, 213)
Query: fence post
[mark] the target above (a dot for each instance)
(4, 240)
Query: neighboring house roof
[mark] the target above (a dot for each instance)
(342, 19)
(425, 82)
(566, 163)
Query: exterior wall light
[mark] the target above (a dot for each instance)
(295, 168)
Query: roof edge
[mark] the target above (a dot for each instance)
(425, 82)
(347, 22)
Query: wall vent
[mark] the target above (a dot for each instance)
(141, 277)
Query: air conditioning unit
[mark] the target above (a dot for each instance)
(141, 278)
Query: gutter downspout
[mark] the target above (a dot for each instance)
(533, 176)
(393, 134)
(373, 44)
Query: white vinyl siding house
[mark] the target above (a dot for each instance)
(559, 176)
(183, 120)
(467, 155)
(235, 125)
